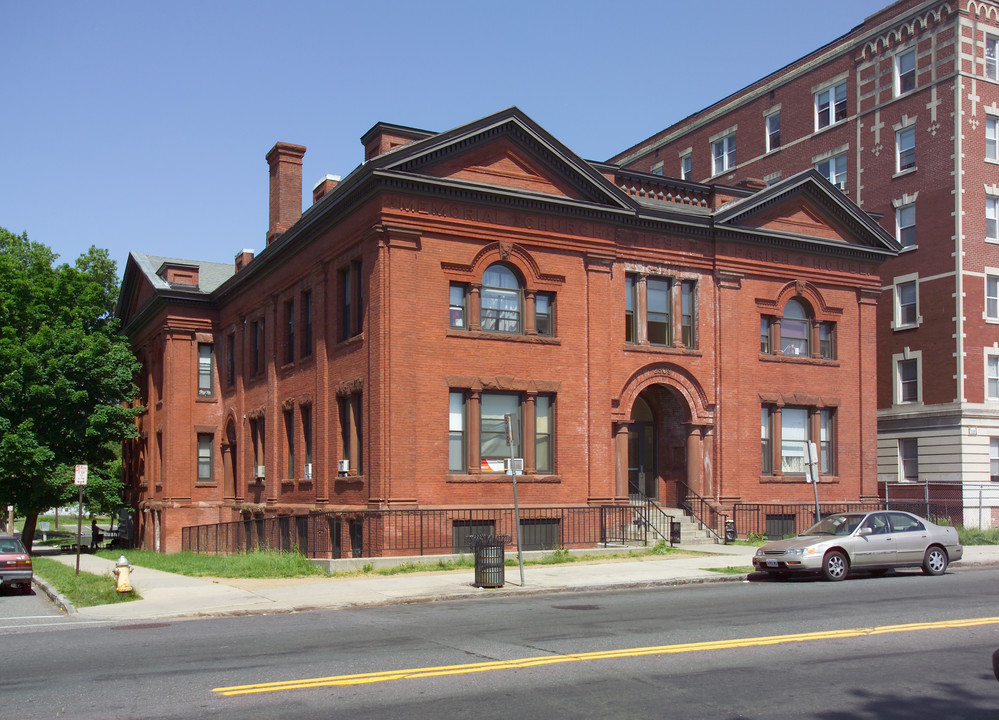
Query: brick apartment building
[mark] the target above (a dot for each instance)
(902, 113)
(367, 357)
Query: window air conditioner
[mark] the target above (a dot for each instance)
(518, 464)
(260, 472)
(343, 466)
(308, 471)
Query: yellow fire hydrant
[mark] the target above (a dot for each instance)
(122, 570)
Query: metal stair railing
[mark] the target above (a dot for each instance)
(701, 511)
(647, 511)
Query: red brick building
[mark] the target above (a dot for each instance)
(367, 356)
(902, 113)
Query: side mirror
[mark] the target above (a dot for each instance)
(864, 531)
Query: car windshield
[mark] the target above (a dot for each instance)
(835, 525)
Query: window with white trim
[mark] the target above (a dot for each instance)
(834, 170)
(723, 154)
(773, 130)
(906, 304)
(992, 218)
(994, 459)
(992, 298)
(905, 72)
(686, 167)
(907, 381)
(657, 169)
(991, 48)
(908, 459)
(992, 138)
(905, 225)
(830, 105)
(991, 377)
(905, 149)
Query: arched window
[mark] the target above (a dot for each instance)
(795, 329)
(502, 300)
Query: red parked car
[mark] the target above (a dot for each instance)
(15, 564)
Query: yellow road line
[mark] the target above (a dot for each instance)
(427, 672)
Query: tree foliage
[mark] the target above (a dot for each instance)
(64, 374)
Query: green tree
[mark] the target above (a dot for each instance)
(64, 373)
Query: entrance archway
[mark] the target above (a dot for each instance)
(657, 444)
(229, 461)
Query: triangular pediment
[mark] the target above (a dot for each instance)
(504, 164)
(508, 152)
(799, 216)
(807, 207)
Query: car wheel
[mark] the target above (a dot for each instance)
(935, 561)
(835, 566)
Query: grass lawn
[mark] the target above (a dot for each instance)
(83, 590)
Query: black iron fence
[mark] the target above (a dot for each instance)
(378, 533)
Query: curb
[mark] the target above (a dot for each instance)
(54, 595)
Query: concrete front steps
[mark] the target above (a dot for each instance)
(691, 532)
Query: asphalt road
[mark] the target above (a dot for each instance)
(700, 651)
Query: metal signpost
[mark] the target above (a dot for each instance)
(812, 476)
(508, 421)
(80, 480)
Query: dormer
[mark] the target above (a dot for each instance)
(178, 274)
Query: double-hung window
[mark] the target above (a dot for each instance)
(834, 170)
(830, 106)
(686, 167)
(992, 377)
(289, 332)
(992, 218)
(795, 330)
(789, 430)
(992, 298)
(991, 48)
(306, 323)
(905, 144)
(206, 356)
(906, 304)
(905, 225)
(544, 313)
(773, 131)
(658, 293)
(994, 459)
(908, 459)
(907, 371)
(532, 432)
(905, 72)
(457, 306)
(206, 442)
(351, 300)
(992, 138)
(723, 154)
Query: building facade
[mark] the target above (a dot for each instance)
(901, 113)
(369, 356)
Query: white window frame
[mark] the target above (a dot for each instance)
(991, 374)
(992, 218)
(726, 160)
(913, 443)
(826, 96)
(905, 219)
(769, 130)
(990, 313)
(991, 138)
(899, 74)
(994, 459)
(991, 52)
(899, 284)
(833, 173)
(657, 169)
(898, 358)
(905, 143)
(686, 164)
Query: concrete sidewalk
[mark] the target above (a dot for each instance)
(165, 595)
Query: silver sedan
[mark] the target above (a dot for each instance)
(871, 541)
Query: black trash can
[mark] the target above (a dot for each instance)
(490, 572)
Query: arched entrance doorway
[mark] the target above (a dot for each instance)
(229, 461)
(657, 456)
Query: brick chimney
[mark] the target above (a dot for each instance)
(324, 187)
(243, 259)
(285, 161)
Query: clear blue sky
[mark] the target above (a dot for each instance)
(143, 126)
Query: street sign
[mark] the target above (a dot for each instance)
(80, 478)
